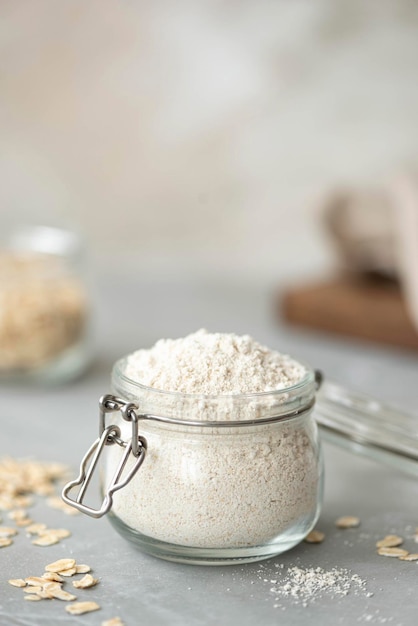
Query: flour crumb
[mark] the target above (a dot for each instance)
(213, 364)
(375, 618)
(306, 585)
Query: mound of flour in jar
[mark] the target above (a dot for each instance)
(213, 364)
(213, 487)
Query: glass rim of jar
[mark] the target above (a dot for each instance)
(296, 400)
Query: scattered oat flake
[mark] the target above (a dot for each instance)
(409, 557)
(315, 536)
(35, 529)
(114, 621)
(33, 598)
(35, 580)
(5, 541)
(45, 595)
(78, 608)
(21, 478)
(52, 576)
(18, 514)
(6, 502)
(56, 591)
(46, 540)
(82, 568)
(394, 552)
(68, 572)
(25, 521)
(32, 589)
(61, 533)
(347, 521)
(23, 501)
(55, 502)
(51, 585)
(85, 582)
(390, 541)
(60, 566)
(64, 595)
(17, 582)
(7, 531)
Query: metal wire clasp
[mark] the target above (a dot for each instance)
(108, 435)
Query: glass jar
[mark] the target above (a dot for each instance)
(206, 479)
(43, 305)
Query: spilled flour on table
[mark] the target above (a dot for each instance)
(306, 585)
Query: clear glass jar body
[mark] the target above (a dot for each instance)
(44, 311)
(218, 494)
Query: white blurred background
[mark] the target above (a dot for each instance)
(202, 137)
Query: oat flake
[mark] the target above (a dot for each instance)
(78, 608)
(390, 541)
(392, 552)
(315, 536)
(409, 557)
(17, 582)
(85, 582)
(60, 565)
(347, 521)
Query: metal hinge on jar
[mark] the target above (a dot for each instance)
(108, 435)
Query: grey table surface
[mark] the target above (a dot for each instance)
(57, 424)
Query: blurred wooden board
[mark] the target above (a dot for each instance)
(367, 309)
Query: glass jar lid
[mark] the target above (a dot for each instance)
(367, 426)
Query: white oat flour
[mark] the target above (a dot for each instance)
(213, 364)
(218, 487)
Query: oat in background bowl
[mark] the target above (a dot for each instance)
(43, 306)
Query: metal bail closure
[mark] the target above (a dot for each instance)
(109, 435)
